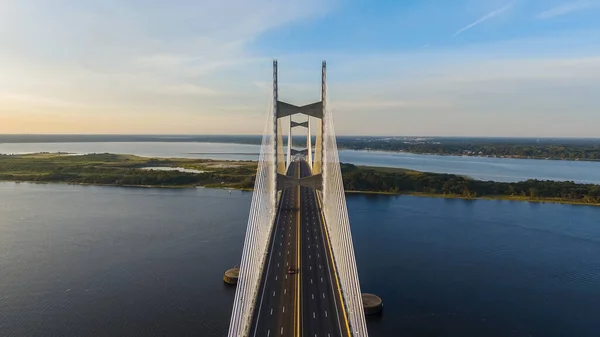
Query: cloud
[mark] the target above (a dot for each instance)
(21, 100)
(130, 58)
(566, 9)
(484, 18)
(480, 91)
(385, 103)
(192, 66)
(187, 89)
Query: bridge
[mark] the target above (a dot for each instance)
(298, 273)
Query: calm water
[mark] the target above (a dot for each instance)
(83, 260)
(225, 151)
(178, 169)
(498, 169)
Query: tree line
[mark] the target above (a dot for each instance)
(364, 179)
(106, 169)
(585, 151)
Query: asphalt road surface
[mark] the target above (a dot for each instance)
(322, 314)
(277, 304)
(307, 301)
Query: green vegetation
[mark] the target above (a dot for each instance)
(577, 151)
(126, 170)
(388, 180)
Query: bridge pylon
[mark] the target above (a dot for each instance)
(271, 179)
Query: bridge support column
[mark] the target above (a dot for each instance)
(270, 179)
(231, 276)
(372, 304)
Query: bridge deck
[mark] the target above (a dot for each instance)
(306, 303)
(322, 312)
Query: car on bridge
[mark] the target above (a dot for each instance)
(291, 270)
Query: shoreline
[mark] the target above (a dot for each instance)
(499, 197)
(413, 194)
(131, 171)
(341, 147)
(472, 156)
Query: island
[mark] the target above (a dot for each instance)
(130, 170)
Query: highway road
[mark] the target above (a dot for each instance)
(322, 313)
(307, 302)
(277, 307)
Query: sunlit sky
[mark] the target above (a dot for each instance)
(411, 67)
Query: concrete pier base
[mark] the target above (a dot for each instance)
(231, 276)
(372, 304)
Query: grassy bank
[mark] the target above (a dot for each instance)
(401, 181)
(126, 170)
(129, 170)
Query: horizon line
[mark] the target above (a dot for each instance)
(260, 135)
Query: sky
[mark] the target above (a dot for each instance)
(523, 68)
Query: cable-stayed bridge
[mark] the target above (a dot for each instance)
(298, 273)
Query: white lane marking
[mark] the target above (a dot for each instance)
(320, 266)
(314, 315)
(323, 295)
(283, 309)
(275, 277)
(285, 292)
(286, 276)
(279, 253)
(309, 256)
(318, 255)
(287, 264)
(268, 332)
(282, 330)
(311, 281)
(310, 267)
(313, 296)
(271, 311)
(321, 279)
(277, 264)
(278, 216)
(273, 293)
(325, 313)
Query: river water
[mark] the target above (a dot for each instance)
(497, 169)
(112, 261)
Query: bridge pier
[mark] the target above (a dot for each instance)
(231, 276)
(372, 304)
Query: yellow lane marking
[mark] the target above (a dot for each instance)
(297, 306)
(334, 268)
